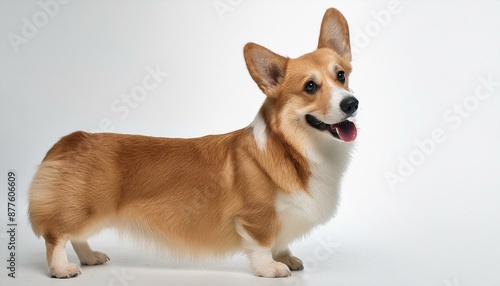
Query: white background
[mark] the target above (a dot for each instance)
(439, 226)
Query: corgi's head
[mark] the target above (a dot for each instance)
(309, 95)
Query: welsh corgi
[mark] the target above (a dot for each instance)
(254, 190)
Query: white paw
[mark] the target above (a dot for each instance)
(95, 258)
(273, 269)
(291, 261)
(68, 270)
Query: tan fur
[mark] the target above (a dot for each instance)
(171, 185)
(190, 195)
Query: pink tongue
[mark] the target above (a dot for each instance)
(347, 130)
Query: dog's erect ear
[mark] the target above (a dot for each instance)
(266, 68)
(334, 33)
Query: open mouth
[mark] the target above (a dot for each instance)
(344, 130)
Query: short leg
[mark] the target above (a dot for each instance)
(261, 259)
(57, 260)
(287, 258)
(264, 265)
(87, 256)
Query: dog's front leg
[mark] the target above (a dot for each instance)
(257, 243)
(264, 265)
(285, 256)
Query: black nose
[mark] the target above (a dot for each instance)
(349, 105)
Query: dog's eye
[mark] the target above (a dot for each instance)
(341, 76)
(311, 87)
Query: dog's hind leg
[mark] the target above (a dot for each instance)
(86, 255)
(57, 259)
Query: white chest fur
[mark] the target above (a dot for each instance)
(303, 210)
